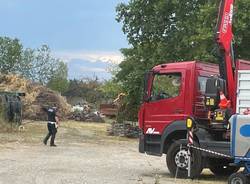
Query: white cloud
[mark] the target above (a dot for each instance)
(92, 69)
(92, 56)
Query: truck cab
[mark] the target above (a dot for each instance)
(173, 92)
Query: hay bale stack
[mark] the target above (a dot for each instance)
(37, 97)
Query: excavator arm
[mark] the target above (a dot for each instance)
(224, 39)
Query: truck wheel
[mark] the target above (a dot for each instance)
(177, 161)
(223, 170)
(238, 178)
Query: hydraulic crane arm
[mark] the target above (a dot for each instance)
(224, 38)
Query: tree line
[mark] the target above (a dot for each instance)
(40, 66)
(161, 31)
(37, 65)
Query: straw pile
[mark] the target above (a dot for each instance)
(37, 97)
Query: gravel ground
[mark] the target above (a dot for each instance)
(84, 155)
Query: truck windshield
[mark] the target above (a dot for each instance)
(165, 86)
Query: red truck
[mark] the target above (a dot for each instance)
(175, 91)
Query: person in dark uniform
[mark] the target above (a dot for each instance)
(53, 122)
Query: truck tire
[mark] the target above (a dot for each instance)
(238, 178)
(222, 170)
(177, 161)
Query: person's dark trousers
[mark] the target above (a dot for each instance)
(52, 132)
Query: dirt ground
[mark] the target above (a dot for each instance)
(84, 155)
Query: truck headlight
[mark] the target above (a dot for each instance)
(189, 123)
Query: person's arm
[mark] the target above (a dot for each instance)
(57, 121)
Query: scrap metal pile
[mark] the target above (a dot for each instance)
(85, 113)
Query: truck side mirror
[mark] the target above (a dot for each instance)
(146, 98)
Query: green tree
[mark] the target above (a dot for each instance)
(87, 88)
(59, 81)
(74, 89)
(110, 89)
(40, 66)
(10, 54)
(35, 64)
(25, 66)
(162, 31)
(44, 65)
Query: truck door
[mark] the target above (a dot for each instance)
(166, 102)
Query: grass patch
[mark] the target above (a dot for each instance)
(68, 132)
(31, 133)
(91, 131)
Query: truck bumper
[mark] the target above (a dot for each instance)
(150, 144)
(141, 144)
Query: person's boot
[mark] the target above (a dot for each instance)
(44, 142)
(52, 140)
(52, 143)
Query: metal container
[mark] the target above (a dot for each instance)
(243, 91)
(11, 107)
(240, 135)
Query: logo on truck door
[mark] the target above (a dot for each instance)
(152, 131)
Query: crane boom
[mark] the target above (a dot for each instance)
(224, 39)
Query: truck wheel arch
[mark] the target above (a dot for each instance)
(175, 131)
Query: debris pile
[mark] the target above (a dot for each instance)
(37, 97)
(87, 117)
(125, 129)
(85, 113)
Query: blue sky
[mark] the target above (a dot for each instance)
(83, 33)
